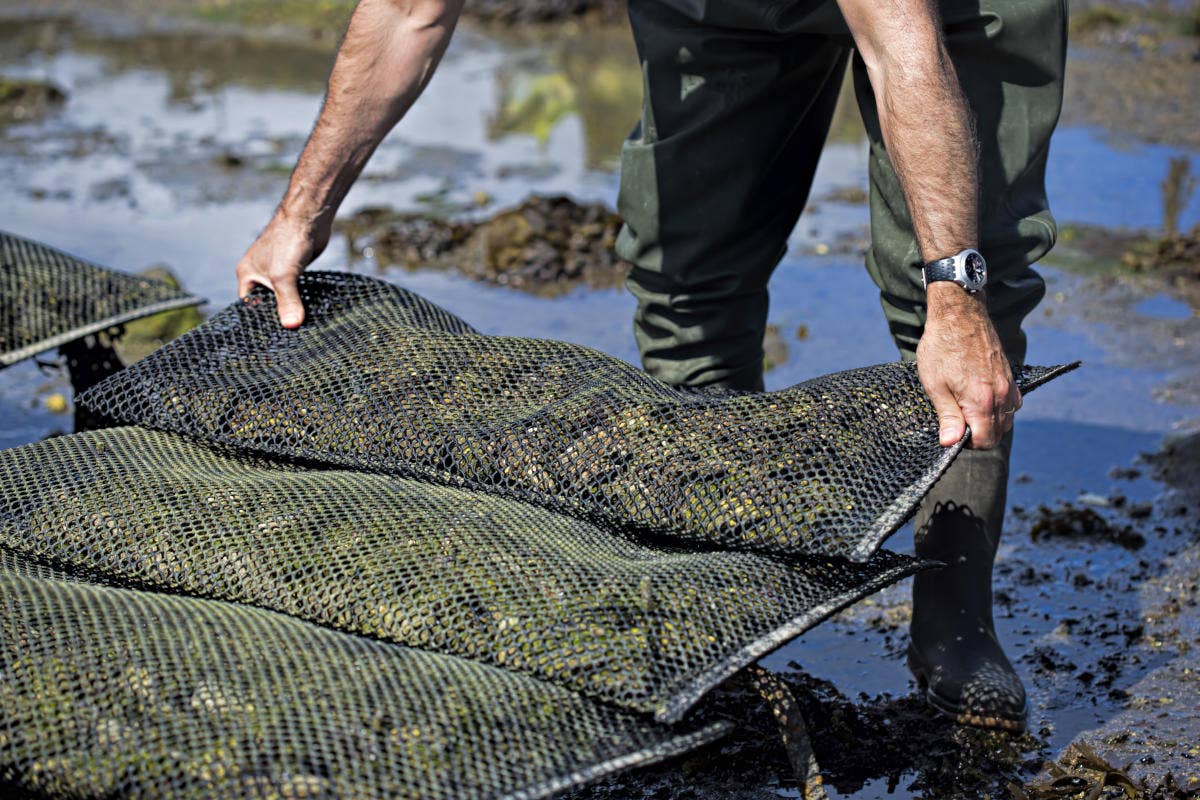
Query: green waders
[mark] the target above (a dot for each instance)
(738, 99)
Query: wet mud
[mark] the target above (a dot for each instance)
(1138, 289)
(546, 245)
(1134, 71)
(1070, 522)
(1106, 654)
(881, 742)
(1080, 772)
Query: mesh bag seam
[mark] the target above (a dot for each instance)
(11, 357)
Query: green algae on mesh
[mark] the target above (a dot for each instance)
(52, 298)
(432, 567)
(142, 336)
(108, 692)
(741, 503)
(381, 381)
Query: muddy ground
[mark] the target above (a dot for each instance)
(152, 132)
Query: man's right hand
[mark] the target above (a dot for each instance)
(276, 259)
(386, 58)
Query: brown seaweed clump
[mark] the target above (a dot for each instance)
(23, 101)
(1175, 257)
(546, 245)
(1070, 522)
(1081, 774)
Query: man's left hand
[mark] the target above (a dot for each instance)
(964, 370)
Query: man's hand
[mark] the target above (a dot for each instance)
(384, 63)
(276, 259)
(963, 368)
(928, 130)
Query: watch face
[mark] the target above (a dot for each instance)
(975, 269)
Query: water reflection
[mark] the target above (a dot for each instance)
(195, 64)
(594, 76)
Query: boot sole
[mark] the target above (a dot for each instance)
(954, 710)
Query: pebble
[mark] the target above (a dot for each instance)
(56, 403)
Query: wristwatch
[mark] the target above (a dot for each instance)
(967, 269)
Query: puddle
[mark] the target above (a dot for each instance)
(1161, 306)
(174, 148)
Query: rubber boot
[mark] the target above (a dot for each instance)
(953, 651)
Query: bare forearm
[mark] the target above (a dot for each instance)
(389, 53)
(930, 139)
(387, 57)
(928, 131)
(926, 123)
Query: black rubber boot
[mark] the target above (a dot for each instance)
(953, 652)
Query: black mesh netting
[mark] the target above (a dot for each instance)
(380, 380)
(645, 626)
(308, 595)
(49, 298)
(113, 693)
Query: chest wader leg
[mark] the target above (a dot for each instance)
(1010, 58)
(954, 651)
(735, 113)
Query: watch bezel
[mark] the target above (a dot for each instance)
(962, 275)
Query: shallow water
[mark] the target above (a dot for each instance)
(174, 149)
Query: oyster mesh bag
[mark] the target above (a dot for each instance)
(49, 298)
(109, 692)
(646, 626)
(380, 380)
(387, 556)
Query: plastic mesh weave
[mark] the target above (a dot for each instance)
(380, 380)
(645, 626)
(108, 692)
(49, 298)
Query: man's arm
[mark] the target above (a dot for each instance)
(390, 51)
(928, 130)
